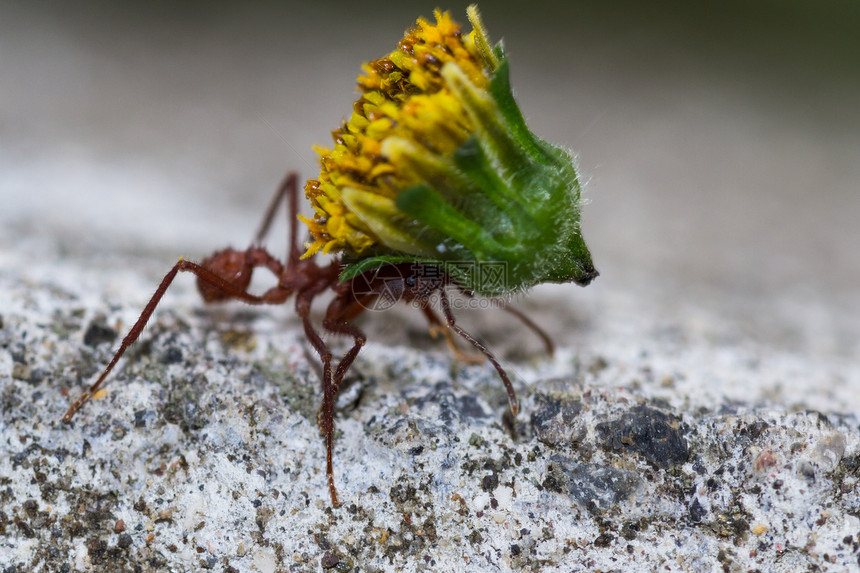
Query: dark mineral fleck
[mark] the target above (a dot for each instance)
(651, 433)
(596, 487)
(554, 419)
(124, 541)
(490, 482)
(97, 334)
(697, 512)
(329, 561)
(173, 355)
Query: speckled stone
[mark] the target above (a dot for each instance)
(206, 448)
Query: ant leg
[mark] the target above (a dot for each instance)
(449, 317)
(181, 266)
(294, 253)
(288, 188)
(531, 325)
(359, 339)
(326, 413)
(437, 328)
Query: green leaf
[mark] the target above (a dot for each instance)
(427, 206)
(500, 89)
(352, 270)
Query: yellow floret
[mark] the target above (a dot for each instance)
(405, 100)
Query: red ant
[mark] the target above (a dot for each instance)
(226, 275)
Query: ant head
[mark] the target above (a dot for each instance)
(417, 281)
(387, 285)
(419, 287)
(232, 266)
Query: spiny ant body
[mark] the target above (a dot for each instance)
(226, 275)
(435, 168)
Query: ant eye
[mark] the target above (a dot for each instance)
(410, 282)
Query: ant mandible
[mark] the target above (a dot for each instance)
(226, 275)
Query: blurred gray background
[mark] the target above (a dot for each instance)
(720, 142)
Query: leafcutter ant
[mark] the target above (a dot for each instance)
(226, 275)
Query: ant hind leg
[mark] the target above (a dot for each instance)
(288, 190)
(182, 265)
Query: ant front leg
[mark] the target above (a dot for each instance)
(452, 323)
(548, 345)
(437, 328)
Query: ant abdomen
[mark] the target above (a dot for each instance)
(230, 265)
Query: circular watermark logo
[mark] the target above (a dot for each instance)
(379, 289)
